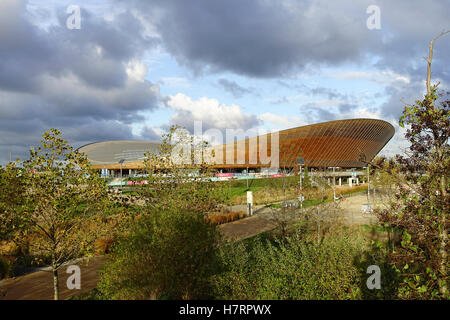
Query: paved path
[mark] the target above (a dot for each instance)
(262, 220)
(39, 285)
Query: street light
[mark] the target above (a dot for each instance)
(301, 162)
(121, 182)
(247, 177)
(368, 185)
(334, 185)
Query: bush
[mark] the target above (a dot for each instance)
(5, 268)
(104, 245)
(93, 294)
(221, 218)
(292, 269)
(167, 255)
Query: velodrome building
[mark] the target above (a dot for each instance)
(342, 143)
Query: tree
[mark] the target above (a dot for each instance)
(421, 206)
(170, 254)
(179, 175)
(58, 199)
(170, 250)
(11, 186)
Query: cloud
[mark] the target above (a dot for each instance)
(151, 134)
(136, 70)
(328, 110)
(281, 100)
(90, 83)
(255, 38)
(174, 82)
(259, 38)
(401, 95)
(384, 77)
(235, 89)
(210, 112)
(283, 122)
(94, 83)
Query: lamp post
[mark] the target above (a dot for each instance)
(301, 162)
(247, 177)
(121, 182)
(368, 185)
(334, 185)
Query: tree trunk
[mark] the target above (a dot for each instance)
(55, 284)
(430, 57)
(443, 237)
(443, 233)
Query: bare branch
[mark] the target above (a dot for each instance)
(430, 58)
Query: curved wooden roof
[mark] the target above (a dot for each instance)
(339, 143)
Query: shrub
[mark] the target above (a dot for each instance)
(104, 245)
(221, 218)
(292, 269)
(167, 255)
(5, 268)
(93, 294)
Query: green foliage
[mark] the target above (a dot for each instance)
(377, 254)
(306, 179)
(51, 200)
(421, 206)
(93, 294)
(12, 205)
(175, 180)
(289, 269)
(167, 255)
(169, 249)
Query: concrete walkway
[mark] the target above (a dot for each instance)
(39, 285)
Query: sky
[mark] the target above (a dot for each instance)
(131, 69)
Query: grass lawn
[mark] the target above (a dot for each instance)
(239, 187)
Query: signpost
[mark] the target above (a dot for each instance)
(249, 203)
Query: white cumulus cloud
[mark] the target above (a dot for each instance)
(211, 112)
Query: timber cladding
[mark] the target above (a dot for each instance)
(340, 143)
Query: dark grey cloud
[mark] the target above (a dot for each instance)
(150, 134)
(347, 107)
(400, 96)
(235, 89)
(282, 100)
(328, 92)
(80, 81)
(257, 38)
(313, 113)
(272, 39)
(292, 86)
